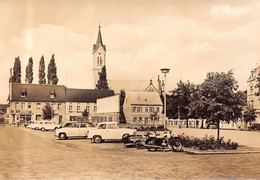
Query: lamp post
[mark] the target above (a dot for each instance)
(164, 71)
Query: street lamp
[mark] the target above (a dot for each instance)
(164, 71)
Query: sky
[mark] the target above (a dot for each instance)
(142, 36)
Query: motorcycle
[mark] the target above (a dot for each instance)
(166, 141)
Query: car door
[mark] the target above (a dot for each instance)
(83, 129)
(113, 132)
(73, 130)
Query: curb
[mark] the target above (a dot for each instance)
(194, 152)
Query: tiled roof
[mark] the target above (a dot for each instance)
(143, 98)
(86, 95)
(37, 92)
(127, 85)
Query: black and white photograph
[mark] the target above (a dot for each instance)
(129, 89)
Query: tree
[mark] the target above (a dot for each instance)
(249, 115)
(29, 71)
(220, 98)
(41, 75)
(102, 82)
(85, 115)
(16, 77)
(48, 112)
(179, 102)
(122, 118)
(52, 72)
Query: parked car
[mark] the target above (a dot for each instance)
(74, 129)
(30, 124)
(255, 127)
(109, 131)
(36, 124)
(48, 125)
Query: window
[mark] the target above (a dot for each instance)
(157, 109)
(53, 106)
(134, 119)
(83, 125)
(95, 108)
(59, 106)
(139, 109)
(70, 108)
(151, 109)
(112, 126)
(110, 119)
(140, 120)
(100, 61)
(87, 108)
(52, 93)
(29, 105)
(17, 105)
(78, 108)
(75, 125)
(146, 109)
(133, 109)
(38, 105)
(23, 92)
(146, 120)
(23, 105)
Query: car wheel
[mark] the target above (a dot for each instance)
(43, 129)
(62, 136)
(125, 136)
(177, 146)
(97, 139)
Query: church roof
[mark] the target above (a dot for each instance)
(127, 85)
(143, 98)
(99, 41)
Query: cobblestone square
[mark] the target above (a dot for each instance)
(30, 154)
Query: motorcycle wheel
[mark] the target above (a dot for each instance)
(138, 144)
(177, 146)
(151, 142)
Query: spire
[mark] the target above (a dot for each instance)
(99, 38)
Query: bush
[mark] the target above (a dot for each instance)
(207, 143)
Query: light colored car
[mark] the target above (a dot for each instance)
(109, 131)
(48, 125)
(30, 124)
(37, 124)
(74, 129)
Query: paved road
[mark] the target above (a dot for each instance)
(248, 138)
(29, 154)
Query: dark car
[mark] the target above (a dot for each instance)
(255, 127)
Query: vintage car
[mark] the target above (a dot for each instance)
(109, 131)
(37, 124)
(74, 130)
(48, 125)
(30, 124)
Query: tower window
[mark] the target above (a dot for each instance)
(100, 62)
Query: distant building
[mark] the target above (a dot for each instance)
(27, 101)
(140, 105)
(253, 99)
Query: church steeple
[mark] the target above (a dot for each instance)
(99, 38)
(99, 57)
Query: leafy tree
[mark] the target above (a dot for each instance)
(179, 102)
(16, 77)
(52, 72)
(48, 112)
(85, 115)
(220, 99)
(41, 75)
(102, 82)
(29, 71)
(249, 115)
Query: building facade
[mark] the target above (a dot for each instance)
(28, 100)
(253, 98)
(142, 107)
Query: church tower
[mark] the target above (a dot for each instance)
(99, 57)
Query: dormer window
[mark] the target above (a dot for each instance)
(52, 93)
(23, 92)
